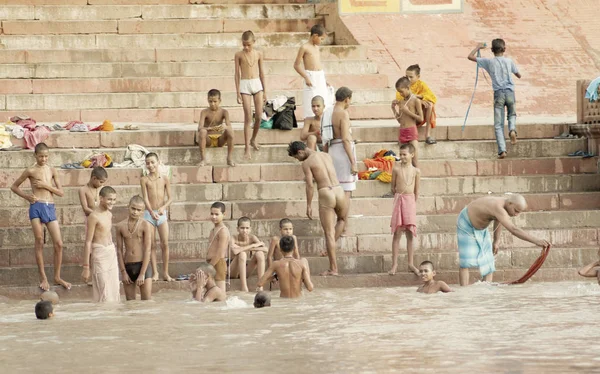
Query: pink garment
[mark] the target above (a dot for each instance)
(404, 215)
(105, 274)
(35, 136)
(25, 122)
(71, 124)
(98, 160)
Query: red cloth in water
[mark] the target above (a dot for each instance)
(408, 134)
(404, 215)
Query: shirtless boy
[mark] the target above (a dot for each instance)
(156, 191)
(247, 246)
(203, 286)
(134, 241)
(408, 112)
(475, 247)
(405, 187)
(290, 271)
(100, 253)
(250, 85)
(212, 132)
(311, 132)
(429, 284)
(42, 211)
(89, 194)
(332, 201)
(308, 65)
(286, 228)
(218, 244)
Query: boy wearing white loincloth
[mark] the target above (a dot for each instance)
(312, 71)
(100, 252)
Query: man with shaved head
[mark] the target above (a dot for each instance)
(475, 247)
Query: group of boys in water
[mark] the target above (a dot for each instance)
(328, 159)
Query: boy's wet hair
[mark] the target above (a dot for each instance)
(218, 205)
(295, 147)
(40, 147)
(414, 68)
(152, 154)
(318, 30)
(498, 46)
(409, 147)
(286, 243)
(318, 98)
(137, 199)
(343, 93)
(248, 35)
(262, 299)
(284, 221)
(99, 172)
(214, 93)
(43, 309)
(403, 82)
(208, 269)
(242, 220)
(107, 190)
(427, 263)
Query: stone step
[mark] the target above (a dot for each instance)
(179, 26)
(170, 135)
(159, 99)
(512, 263)
(449, 150)
(176, 84)
(69, 214)
(293, 172)
(143, 41)
(174, 115)
(328, 53)
(200, 230)
(169, 69)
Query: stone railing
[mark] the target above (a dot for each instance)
(588, 118)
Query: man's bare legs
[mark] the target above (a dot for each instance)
(395, 250)
(163, 233)
(202, 139)
(54, 231)
(153, 262)
(328, 222)
(146, 289)
(311, 142)
(348, 198)
(228, 137)
(38, 233)
(130, 290)
(463, 277)
(247, 106)
(258, 107)
(411, 253)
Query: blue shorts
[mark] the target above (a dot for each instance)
(45, 212)
(161, 219)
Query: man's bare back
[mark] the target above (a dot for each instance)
(321, 168)
(485, 210)
(291, 273)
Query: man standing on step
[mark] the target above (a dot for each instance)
(475, 247)
(333, 207)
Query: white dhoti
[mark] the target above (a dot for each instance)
(342, 164)
(319, 88)
(105, 274)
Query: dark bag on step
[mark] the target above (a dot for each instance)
(285, 119)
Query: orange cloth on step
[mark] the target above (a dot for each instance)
(106, 126)
(381, 163)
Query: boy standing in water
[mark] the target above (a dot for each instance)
(211, 130)
(405, 187)
(408, 112)
(429, 285)
(500, 69)
(89, 194)
(135, 234)
(250, 84)
(428, 100)
(218, 244)
(308, 65)
(156, 191)
(203, 287)
(42, 211)
(100, 253)
(311, 132)
(247, 246)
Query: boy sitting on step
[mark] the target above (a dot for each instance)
(311, 132)
(245, 247)
(212, 132)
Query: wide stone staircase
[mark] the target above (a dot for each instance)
(154, 63)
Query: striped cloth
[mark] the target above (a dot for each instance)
(474, 246)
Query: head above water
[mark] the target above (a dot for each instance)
(286, 243)
(262, 299)
(498, 46)
(50, 296)
(297, 150)
(44, 310)
(427, 271)
(208, 269)
(515, 204)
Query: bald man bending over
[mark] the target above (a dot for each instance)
(475, 247)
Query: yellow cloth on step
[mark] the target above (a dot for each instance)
(4, 138)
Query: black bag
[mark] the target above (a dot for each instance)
(285, 118)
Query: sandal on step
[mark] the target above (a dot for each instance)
(577, 153)
(430, 140)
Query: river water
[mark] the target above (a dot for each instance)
(531, 328)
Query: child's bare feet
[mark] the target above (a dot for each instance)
(201, 163)
(329, 273)
(259, 289)
(255, 144)
(323, 254)
(230, 162)
(155, 276)
(414, 270)
(44, 285)
(167, 278)
(393, 270)
(247, 154)
(60, 282)
(502, 155)
(245, 289)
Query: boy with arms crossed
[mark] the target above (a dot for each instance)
(244, 246)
